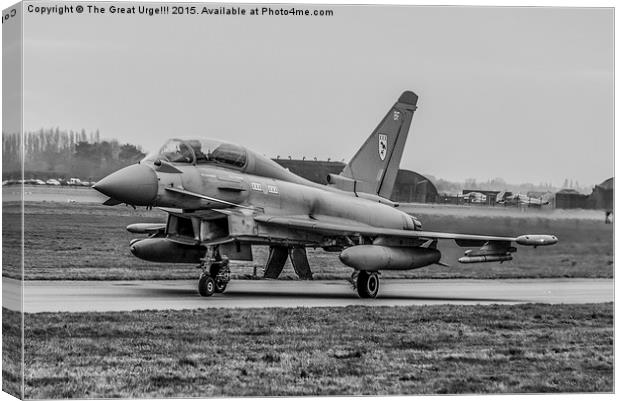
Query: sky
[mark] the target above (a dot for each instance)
(525, 94)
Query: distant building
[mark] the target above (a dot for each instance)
(571, 199)
(413, 187)
(602, 196)
(409, 186)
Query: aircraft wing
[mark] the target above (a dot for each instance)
(315, 225)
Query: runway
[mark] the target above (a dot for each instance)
(82, 296)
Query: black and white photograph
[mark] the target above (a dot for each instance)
(224, 200)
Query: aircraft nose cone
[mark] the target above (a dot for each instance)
(135, 185)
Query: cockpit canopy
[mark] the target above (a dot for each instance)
(200, 151)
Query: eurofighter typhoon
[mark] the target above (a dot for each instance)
(222, 198)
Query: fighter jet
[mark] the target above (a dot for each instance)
(510, 199)
(222, 198)
(475, 197)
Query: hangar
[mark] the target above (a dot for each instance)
(409, 186)
(570, 199)
(602, 196)
(413, 187)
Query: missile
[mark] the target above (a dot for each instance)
(379, 257)
(165, 251)
(485, 258)
(146, 228)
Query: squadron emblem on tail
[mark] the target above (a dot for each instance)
(382, 146)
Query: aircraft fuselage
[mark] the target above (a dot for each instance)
(264, 195)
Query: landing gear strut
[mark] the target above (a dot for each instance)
(221, 274)
(367, 284)
(215, 273)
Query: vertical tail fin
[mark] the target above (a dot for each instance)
(375, 165)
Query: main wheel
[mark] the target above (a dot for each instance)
(367, 284)
(206, 285)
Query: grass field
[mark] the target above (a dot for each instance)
(88, 241)
(11, 352)
(276, 352)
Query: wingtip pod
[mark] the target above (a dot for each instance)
(536, 240)
(408, 97)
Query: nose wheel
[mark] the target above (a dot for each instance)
(367, 284)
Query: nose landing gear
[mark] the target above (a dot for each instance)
(215, 274)
(221, 274)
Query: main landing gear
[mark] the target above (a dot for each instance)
(367, 283)
(215, 274)
(206, 285)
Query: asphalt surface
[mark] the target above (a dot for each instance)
(82, 296)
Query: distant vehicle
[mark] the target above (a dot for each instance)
(52, 181)
(39, 182)
(510, 199)
(74, 181)
(222, 198)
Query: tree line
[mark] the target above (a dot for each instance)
(55, 153)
